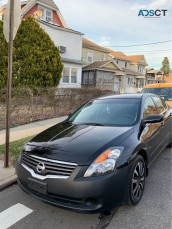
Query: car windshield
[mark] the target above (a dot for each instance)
(164, 93)
(108, 112)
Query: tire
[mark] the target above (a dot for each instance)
(136, 180)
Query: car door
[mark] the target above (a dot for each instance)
(166, 125)
(152, 132)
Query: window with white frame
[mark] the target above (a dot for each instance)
(46, 14)
(130, 81)
(69, 75)
(73, 75)
(66, 74)
(90, 56)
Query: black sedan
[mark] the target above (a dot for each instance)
(100, 156)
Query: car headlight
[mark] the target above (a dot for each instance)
(105, 162)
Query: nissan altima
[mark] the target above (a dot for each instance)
(99, 157)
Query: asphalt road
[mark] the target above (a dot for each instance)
(153, 212)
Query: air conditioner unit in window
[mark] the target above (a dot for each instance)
(62, 49)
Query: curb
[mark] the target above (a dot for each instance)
(8, 184)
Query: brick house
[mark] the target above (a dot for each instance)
(68, 41)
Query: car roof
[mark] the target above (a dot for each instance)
(124, 96)
(158, 85)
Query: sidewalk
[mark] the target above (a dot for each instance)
(7, 175)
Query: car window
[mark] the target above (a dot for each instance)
(160, 104)
(149, 107)
(120, 112)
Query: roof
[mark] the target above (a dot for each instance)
(95, 65)
(154, 71)
(31, 3)
(24, 2)
(54, 26)
(117, 54)
(89, 44)
(137, 59)
(100, 64)
(49, 3)
(130, 72)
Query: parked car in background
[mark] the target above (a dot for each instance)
(100, 156)
(164, 90)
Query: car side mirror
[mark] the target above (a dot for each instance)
(153, 119)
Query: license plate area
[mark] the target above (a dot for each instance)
(37, 186)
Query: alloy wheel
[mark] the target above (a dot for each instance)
(138, 180)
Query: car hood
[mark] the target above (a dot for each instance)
(76, 143)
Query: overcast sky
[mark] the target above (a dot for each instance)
(113, 23)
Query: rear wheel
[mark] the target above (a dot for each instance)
(136, 180)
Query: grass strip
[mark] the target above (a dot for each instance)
(15, 148)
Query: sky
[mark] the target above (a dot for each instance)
(114, 23)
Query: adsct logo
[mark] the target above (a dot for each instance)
(152, 13)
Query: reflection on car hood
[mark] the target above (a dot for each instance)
(76, 143)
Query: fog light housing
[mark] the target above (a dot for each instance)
(89, 202)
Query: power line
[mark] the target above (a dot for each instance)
(161, 50)
(159, 42)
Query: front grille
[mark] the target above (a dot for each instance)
(51, 167)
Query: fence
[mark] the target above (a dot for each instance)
(28, 105)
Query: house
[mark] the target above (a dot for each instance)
(92, 52)
(131, 69)
(105, 75)
(154, 76)
(99, 70)
(157, 76)
(68, 41)
(134, 68)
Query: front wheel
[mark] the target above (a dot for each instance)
(136, 180)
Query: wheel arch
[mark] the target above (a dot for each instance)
(145, 157)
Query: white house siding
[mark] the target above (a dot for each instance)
(73, 42)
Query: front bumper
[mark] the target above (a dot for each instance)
(78, 193)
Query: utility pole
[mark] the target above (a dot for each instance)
(9, 79)
(11, 24)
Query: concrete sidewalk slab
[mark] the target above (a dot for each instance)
(7, 175)
(30, 129)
